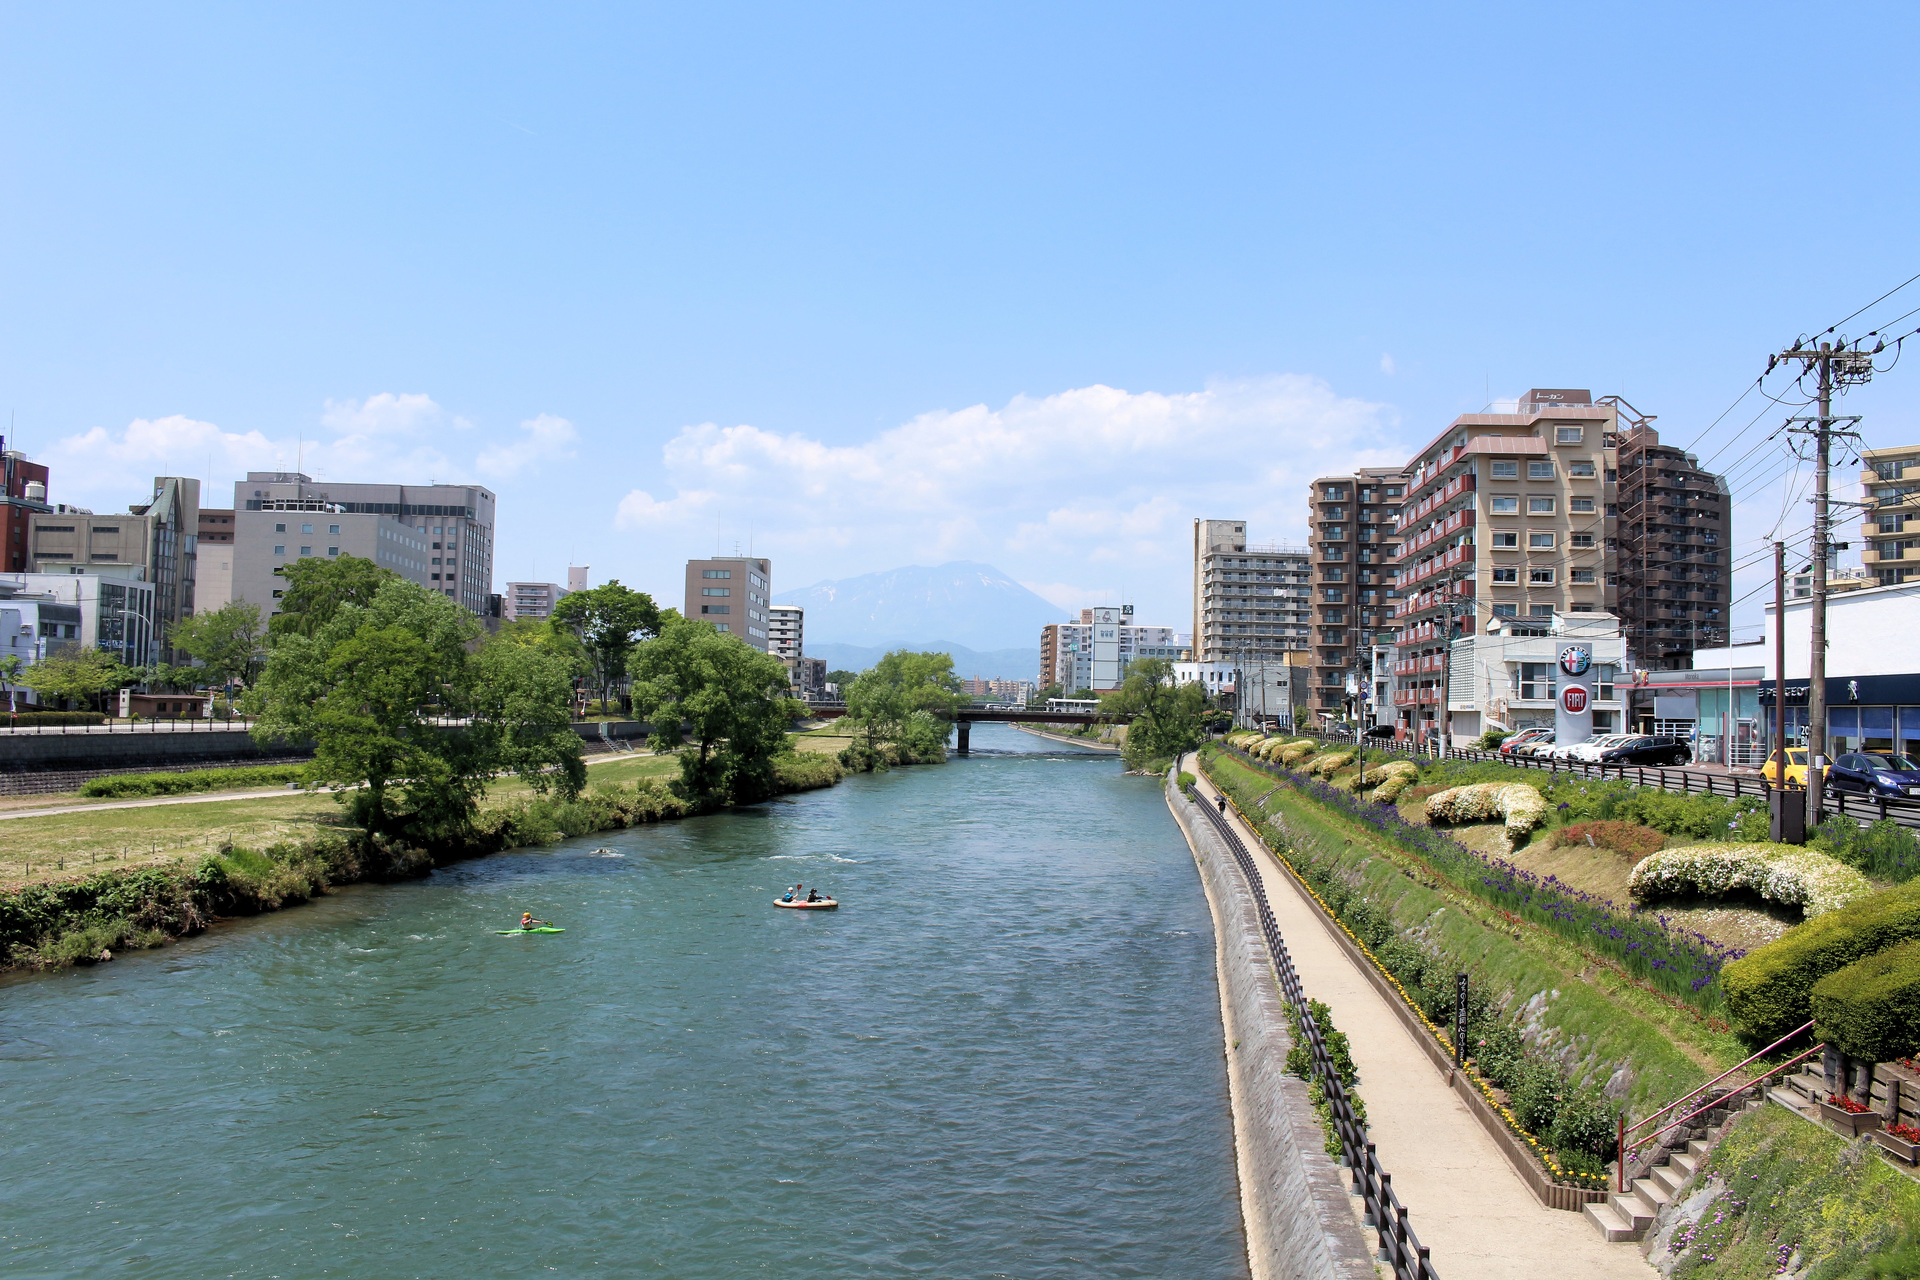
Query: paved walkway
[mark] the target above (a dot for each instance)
(1463, 1199)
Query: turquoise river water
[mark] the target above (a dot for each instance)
(1001, 1057)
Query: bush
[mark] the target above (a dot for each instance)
(1491, 740)
(1871, 1008)
(1535, 1096)
(1884, 849)
(1521, 806)
(26, 719)
(1791, 875)
(1770, 991)
(1184, 781)
(175, 784)
(1624, 837)
(1585, 1125)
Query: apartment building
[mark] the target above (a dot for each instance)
(786, 631)
(213, 562)
(734, 594)
(1250, 600)
(1351, 524)
(23, 493)
(159, 537)
(1674, 555)
(1095, 652)
(108, 607)
(532, 599)
(440, 536)
(1890, 528)
(1508, 520)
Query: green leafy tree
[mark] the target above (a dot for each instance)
(374, 688)
(718, 702)
(842, 678)
(608, 620)
(228, 642)
(1051, 691)
(541, 634)
(900, 699)
(77, 676)
(317, 589)
(1167, 717)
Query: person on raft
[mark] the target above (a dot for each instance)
(813, 895)
(791, 894)
(527, 921)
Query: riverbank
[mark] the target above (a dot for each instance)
(81, 919)
(1091, 744)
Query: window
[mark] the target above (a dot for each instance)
(1540, 610)
(436, 559)
(1540, 577)
(436, 546)
(279, 528)
(1507, 577)
(436, 577)
(1505, 610)
(306, 528)
(1540, 469)
(716, 608)
(1580, 541)
(1580, 506)
(333, 551)
(1506, 470)
(1333, 595)
(279, 551)
(1569, 435)
(716, 591)
(306, 551)
(716, 573)
(1396, 491)
(333, 528)
(1582, 577)
(1580, 470)
(1539, 506)
(1536, 681)
(1539, 542)
(1603, 676)
(1583, 608)
(1503, 506)
(1613, 510)
(1506, 542)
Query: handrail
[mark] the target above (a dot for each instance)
(1620, 1167)
(1717, 1079)
(1399, 1246)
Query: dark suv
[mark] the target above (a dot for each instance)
(1647, 751)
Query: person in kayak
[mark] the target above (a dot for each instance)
(813, 895)
(527, 921)
(791, 894)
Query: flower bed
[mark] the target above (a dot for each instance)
(1519, 805)
(1791, 875)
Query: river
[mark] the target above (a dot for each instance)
(1000, 1057)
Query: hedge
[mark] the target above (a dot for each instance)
(26, 719)
(1871, 1008)
(1770, 990)
(187, 781)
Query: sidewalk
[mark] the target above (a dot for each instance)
(1463, 1199)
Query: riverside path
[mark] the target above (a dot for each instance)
(1469, 1206)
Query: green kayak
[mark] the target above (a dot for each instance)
(545, 928)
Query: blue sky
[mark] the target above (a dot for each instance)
(872, 286)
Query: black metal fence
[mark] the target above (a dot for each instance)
(1398, 1246)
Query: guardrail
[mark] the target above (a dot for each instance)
(185, 724)
(1398, 1245)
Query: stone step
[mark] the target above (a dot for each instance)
(1684, 1162)
(1668, 1178)
(1656, 1195)
(1614, 1226)
(1697, 1148)
(1791, 1099)
(1631, 1209)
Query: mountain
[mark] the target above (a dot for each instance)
(970, 605)
(987, 664)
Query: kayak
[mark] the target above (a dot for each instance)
(545, 928)
(825, 904)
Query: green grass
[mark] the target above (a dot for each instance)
(1573, 996)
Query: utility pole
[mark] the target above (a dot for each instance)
(1837, 365)
(1780, 662)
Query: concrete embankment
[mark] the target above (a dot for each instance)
(1293, 1199)
(1089, 743)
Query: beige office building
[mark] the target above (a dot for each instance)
(213, 564)
(532, 599)
(158, 538)
(734, 594)
(1251, 601)
(1890, 528)
(440, 536)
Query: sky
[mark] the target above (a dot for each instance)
(859, 287)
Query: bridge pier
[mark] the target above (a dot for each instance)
(965, 725)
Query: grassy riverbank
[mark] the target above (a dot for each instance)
(157, 872)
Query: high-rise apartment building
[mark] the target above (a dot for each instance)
(1675, 552)
(1890, 528)
(734, 594)
(23, 494)
(532, 599)
(1251, 601)
(786, 631)
(1095, 652)
(577, 577)
(1508, 518)
(213, 564)
(1351, 523)
(159, 538)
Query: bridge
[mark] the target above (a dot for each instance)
(966, 717)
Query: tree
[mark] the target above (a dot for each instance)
(842, 678)
(716, 700)
(1166, 715)
(9, 677)
(542, 635)
(898, 700)
(609, 620)
(317, 589)
(79, 676)
(370, 688)
(227, 642)
(1051, 691)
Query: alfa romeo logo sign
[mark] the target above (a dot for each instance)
(1574, 699)
(1574, 660)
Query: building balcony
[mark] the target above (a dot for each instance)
(1427, 537)
(1444, 494)
(1439, 564)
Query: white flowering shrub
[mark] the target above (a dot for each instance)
(1521, 807)
(1790, 874)
(1322, 766)
(1294, 752)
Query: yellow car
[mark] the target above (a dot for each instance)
(1796, 767)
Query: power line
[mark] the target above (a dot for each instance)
(1876, 302)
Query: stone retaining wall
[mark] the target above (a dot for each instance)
(1294, 1201)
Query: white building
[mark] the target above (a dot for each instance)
(786, 631)
(1095, 652)
(1505, 678)
(43, 614)
(1873, 669)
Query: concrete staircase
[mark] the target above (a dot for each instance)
(1803, 1091)
(1628, 1215)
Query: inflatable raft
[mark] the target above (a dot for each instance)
(825, 904)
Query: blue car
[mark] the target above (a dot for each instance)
(1877, 773)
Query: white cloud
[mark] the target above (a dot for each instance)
(1101, 482)
(546, 437)
(1387, 365)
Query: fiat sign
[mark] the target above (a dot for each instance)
(1574, 699)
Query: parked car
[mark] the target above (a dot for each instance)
(1635, 749)
(1537, 749)
(1380, 731)
(1875, 773)
(1796, 767)
(1590, 749)
(1512, 746)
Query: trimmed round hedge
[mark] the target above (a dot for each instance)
(1871, 1009)
(1770, 989)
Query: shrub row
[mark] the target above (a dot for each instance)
(1770, 992)
(175, 784)
(1789, 874)
(26, 719)
(1299, 1062)
(1871, 1009)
